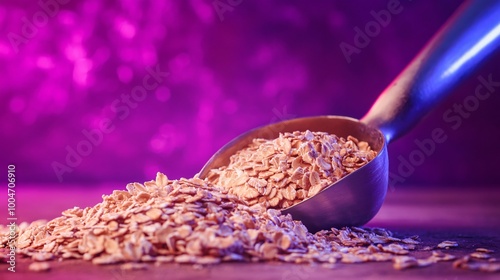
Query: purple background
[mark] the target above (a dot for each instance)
(261, 62)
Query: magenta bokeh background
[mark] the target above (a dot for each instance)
(261, 62)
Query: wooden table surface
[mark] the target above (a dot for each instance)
(470, 216)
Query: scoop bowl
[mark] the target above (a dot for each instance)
(352, 200)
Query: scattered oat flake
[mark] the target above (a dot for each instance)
(133, 266)
(438, 256)
(447, 244)
(466, 263)
(480, 255)
(404, 262)
(39, 266)
(484, 250)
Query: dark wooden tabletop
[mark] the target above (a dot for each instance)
(470, 216)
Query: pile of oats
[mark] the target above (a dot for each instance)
(282, 172)
(192, 221)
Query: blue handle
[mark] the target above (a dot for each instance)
(467, 39)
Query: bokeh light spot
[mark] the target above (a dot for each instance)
(80, 71)
(124, 73)
(45, 62)
(126, 29)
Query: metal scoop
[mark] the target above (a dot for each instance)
(469, 36)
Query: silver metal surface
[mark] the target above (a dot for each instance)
(354, 199)
(467, 39)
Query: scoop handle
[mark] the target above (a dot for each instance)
(465, 40)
